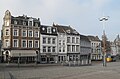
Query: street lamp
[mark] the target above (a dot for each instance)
(104, 19)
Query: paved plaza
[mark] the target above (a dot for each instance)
(95, 71)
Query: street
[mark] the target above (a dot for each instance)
(95, 71)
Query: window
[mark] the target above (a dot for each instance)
(7, 32)
(53, 49)
(77, 48)
(44, 40)
(73, 39)
(49, 30)
(49, 40)
(63, 49)
(68, 48)
(7, 43)
(24, 33)
(44, 48)
(77, 40)
(24, 44)
(36, 44)
(43, 28)
(24, 23)
(30, 33)
(53, 41)
(54, 30)
(30, 44)
(15, 22)
(59, 49)
(63, 42)
(73, 48)
(49, 49)
(59, 42)
(36, 24)
(15, 32)
(7, 23)
(36, 34)
(68, 39)
(15, 43)
(30, 23)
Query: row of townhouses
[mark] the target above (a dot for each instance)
(26, 38)
(115, 48)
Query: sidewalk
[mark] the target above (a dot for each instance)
(26, 65)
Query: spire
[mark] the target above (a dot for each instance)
(53, 24)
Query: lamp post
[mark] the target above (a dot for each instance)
(104, 19)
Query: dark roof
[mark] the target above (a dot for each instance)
(66, 29)
(83, 37)
(93, 38)
(44, 28)
(25, 17)
(59, 29)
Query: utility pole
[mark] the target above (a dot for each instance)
(104, 38)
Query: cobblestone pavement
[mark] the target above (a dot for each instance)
(97, 71)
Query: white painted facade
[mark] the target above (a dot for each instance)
(96, 50)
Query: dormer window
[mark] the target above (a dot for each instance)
(24, 23)
(75, 32)
(43, 28)
(15, 22)
(36, 24)
(49, 30)
(68, 31)
(53, 30)
(30, 23)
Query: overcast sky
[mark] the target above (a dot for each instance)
(80, 14)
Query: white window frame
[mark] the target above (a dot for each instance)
(36, 33)
(44, 49)
(49, 41)
(48, 49)
(68, 40)
(22, 44)
(37, 44)
(15, 22)
(15, 32)
(25, 33)
(29, 44)
(30, 23)
(7, 44)
(53, 40)
(53, 49)
(49, 30)
(44, 41)
(15, 45)
(29, 34)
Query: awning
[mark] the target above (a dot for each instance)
(21, 53)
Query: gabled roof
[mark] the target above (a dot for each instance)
(83, 37)
(93, 38)
(66, 29)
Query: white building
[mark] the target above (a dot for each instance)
(68, 43)
(96, 48)
(48, 44)
(115, 46)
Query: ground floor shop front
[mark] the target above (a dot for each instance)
(74, 59)
(96, 56)
(19, 56)
(32, 56)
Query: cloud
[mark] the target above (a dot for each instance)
(80, 14)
